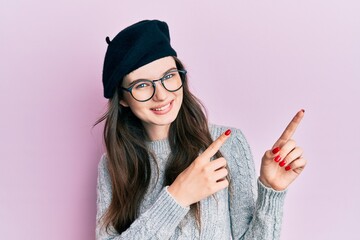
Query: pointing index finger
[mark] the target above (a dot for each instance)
(291, 127)
(216, 145)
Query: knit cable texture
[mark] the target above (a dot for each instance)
(245, 210)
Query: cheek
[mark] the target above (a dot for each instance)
(134, 106)
(180, 96)
(129, 101)
(138, 108)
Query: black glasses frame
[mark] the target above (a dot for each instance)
(182, 77)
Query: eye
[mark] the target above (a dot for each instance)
(169, 75)
(141, 85)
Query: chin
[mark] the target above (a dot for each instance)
(165, 121)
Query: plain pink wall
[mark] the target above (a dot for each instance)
(253, 64)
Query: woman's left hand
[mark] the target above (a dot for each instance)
(284, 163)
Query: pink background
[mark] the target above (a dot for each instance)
(253, 64)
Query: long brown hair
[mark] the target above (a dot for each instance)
(128, 156)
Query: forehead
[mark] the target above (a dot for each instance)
(152, 70)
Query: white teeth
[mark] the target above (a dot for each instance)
(162, 108)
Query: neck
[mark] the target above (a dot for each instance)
(157, 132)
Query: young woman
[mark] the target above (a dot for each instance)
(167, 173)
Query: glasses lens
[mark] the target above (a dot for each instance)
(172, 81)
(143, 90)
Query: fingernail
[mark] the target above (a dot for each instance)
(227, 133)
(277, 158)
(303, 110)
(276, 150)
(288, 167)
(282, 163)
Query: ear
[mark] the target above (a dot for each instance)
(123, 103)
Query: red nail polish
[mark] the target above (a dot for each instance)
(276, 150)
(227, 133)
(303, 110)
(277, 158)
(282, 163)
(288, 167)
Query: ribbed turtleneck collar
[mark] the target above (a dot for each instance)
(159, 146)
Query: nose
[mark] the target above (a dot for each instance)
(160, 92)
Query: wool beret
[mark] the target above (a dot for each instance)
(133, 47)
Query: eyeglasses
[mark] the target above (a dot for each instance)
(143, 90)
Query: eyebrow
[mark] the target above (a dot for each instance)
(142, 79)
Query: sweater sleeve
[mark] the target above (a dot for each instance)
(158, 222)
(255, 210)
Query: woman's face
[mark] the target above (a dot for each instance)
(162, 109)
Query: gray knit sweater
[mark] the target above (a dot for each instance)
(245, 210)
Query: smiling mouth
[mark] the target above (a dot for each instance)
(162, 108)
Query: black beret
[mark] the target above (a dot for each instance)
(133, 47)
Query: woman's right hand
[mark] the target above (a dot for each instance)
(203, 177)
